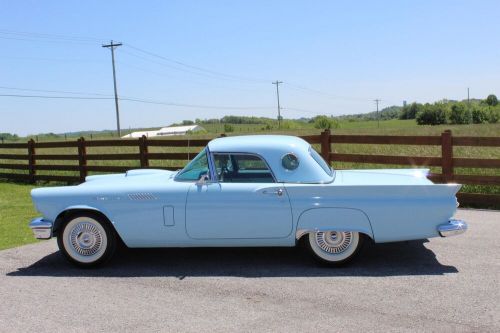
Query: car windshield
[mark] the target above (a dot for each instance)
(195, 169)
(322, 163)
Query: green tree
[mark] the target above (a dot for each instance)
(228, 128)
(410, 111)
(491, 100)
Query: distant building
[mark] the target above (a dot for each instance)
(165, 131)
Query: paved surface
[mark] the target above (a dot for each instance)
(442, 285)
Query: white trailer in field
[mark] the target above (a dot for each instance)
(165, 131)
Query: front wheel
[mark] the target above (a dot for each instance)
(87, 240)
(334, 248)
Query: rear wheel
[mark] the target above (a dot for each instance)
(87, 240)
(334, 248)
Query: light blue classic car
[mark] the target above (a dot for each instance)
(246, 191)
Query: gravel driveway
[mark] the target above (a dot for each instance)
(438, 285)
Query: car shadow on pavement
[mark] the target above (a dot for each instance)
(392, 259)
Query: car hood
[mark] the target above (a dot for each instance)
(107, 183)
(132, 176)
(382, 177)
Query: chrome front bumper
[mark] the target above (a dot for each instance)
(41, 228)
(452, 228)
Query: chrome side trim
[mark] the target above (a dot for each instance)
(452, 228)
(301, 232)
(42, 229)
(141, 196)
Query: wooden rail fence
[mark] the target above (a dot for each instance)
(31, 161)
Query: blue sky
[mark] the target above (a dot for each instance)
(334, 58)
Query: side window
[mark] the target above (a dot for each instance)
(242, 168)
(195, 169)
(322, 163)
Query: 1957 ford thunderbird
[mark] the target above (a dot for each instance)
(246, 191)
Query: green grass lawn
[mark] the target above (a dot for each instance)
(16, 210)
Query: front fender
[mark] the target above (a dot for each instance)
(60, 216)
(333, 218)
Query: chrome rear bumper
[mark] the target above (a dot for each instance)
(452, 228)
(41, 228)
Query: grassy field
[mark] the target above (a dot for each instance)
(387, 127)
(16, 210)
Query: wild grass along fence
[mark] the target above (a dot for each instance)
(71, 161)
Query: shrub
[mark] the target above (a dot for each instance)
(324, 122)
(228, 128)
(479, 115)
(288, 124)
(494, 115)
(432, 114)
(459, 114)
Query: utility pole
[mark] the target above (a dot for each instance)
(112, 47)
(277, 83)
(468, 105)
(378, 118)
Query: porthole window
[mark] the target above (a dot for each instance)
(290, 162)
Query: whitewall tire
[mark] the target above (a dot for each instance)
(334, 247)
(87, 240)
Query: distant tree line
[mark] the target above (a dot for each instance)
(454, 112)
(8, 137)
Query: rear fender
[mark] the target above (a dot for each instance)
(333, 218)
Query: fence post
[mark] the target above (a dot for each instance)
(325, 145)
(82, 158)
(143, 151)
(447, 156)
(31, 161)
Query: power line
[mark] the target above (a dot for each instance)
(197, 106)
(201, 69)
(50, 59)
(184, 70)
(52, 97)
(54, 91)
(302, 110)
(139, 100)
(163, 61)
(50, 36)
(43, 40)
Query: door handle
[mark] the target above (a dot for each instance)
(278, 192)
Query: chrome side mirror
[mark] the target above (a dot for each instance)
(204, 179)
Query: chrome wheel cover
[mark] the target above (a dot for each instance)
(85, 239)
(334, 246)
(333, 241)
